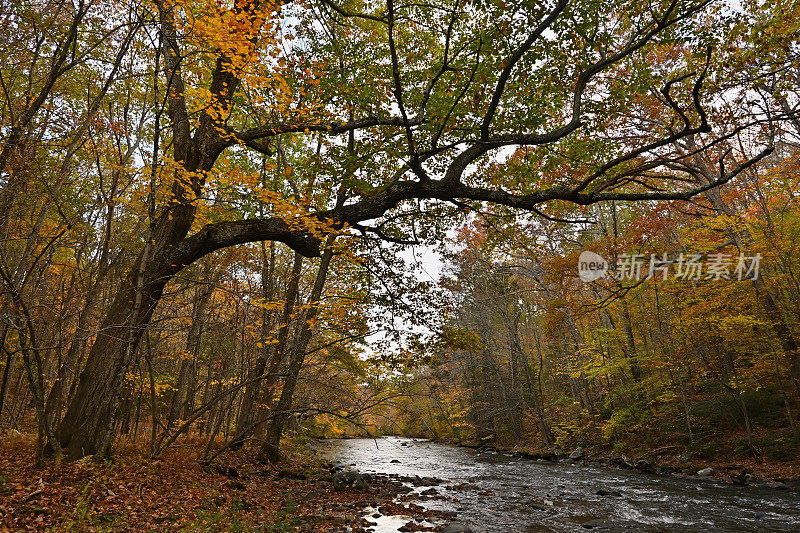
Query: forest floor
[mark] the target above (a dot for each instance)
(174, 493)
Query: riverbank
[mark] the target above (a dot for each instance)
(745, 471)
(175, 493)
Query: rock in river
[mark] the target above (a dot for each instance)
(350, 478)
(576, 454)
(455, 527)
(596, 524)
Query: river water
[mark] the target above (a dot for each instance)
(496, 492)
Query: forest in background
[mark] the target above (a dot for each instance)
(697, 364)
(205, 207)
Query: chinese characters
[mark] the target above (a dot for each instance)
(689, 267)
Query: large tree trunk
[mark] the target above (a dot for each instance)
(56, 399)
(87, 427)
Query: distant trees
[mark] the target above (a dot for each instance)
(545, 358)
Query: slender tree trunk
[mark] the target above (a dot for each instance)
(282, 409)
(202, 299)
(743, 240)
(248, 409)
(516, 354)
(535, 401)
(6, 369)
(630, 342)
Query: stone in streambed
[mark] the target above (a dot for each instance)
(779, 485)
(705, 472)
(350, 478)
(455, 527)
(576, 454)
(596, 524)
(742, 478)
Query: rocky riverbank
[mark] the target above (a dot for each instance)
(743, 472)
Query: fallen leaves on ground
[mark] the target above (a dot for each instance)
(174, 493)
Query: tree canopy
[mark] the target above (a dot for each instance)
(147, 143)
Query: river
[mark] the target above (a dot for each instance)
(496, 492)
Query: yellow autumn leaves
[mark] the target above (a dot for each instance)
(242, 39)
